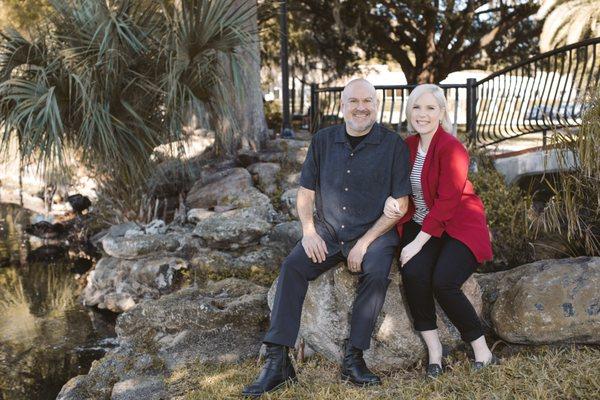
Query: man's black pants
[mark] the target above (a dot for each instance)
(298, 269)
(440, 269)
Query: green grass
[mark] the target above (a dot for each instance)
(526, 373)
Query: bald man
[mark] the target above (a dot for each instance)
(349, 172)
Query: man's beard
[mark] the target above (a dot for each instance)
(360, 127)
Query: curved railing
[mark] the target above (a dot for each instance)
(543, 93)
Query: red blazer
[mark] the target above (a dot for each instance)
(454, 207)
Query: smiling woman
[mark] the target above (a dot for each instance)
(445, 234)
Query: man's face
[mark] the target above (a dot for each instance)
(359, 105)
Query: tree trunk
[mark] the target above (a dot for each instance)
(250, 116)
(249, 126)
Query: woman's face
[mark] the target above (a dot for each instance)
(426, 114)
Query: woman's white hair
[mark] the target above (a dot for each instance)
(438, 93)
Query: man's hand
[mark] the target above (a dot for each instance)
(355, 257)
(314, 246)
(409, 251)
(392, 209)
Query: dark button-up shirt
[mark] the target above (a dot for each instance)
(351, 185)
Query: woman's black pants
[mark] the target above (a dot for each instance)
(439, 270)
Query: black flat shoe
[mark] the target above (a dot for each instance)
(434, 371)
(479, 365)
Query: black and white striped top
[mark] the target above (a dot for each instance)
(421, 209)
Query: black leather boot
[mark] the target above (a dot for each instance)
(276, 372)
(354, 368)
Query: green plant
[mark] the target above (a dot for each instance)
(273, 114)
(111, 80)
(573, 213)
(506, 209)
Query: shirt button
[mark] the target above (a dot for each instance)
(351, 154)
(341, 242)
(343, 226)
(348, 171)
(345, 189)
(343, 208)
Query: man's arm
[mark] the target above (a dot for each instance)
(381, 226)
(313, 244)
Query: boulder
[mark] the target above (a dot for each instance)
(118, 284)
(212, 262)
(284, 236)
(138, 245)
(548, 301)
(264, 259)
(155, 227)
(198, 214)
(233, 229)
(265, 176)
(140, 387)
(288, 202)
(259, 202)
(290, 181)
(121, 229)
(223, 187)
(224, 321)
(325, 321)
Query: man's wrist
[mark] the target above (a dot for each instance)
(364, 241)
(308, 229)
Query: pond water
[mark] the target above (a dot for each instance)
(46, 335)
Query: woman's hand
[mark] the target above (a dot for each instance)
(409, 251)
(392, 208)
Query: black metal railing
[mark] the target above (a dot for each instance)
(543, 93)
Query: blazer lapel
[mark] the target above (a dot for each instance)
(426, 171)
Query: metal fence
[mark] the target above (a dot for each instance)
(545, 92)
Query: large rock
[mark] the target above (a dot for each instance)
(290, 181)
(284, 236)
(264, 259)
(212, 263)
(233, 229)
(222, 322)
(288, 202)
(220, 188)
(118, 284)
(138, 245)
(548, 301)
(198, 214)
(265, 176)
(325, 321)
(292, 150)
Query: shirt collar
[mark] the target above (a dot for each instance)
(373, 137)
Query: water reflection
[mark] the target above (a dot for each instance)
(46, 336)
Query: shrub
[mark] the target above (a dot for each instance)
(573, 213)
(507, 211)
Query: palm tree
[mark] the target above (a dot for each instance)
(568, 21)
(113, 79)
